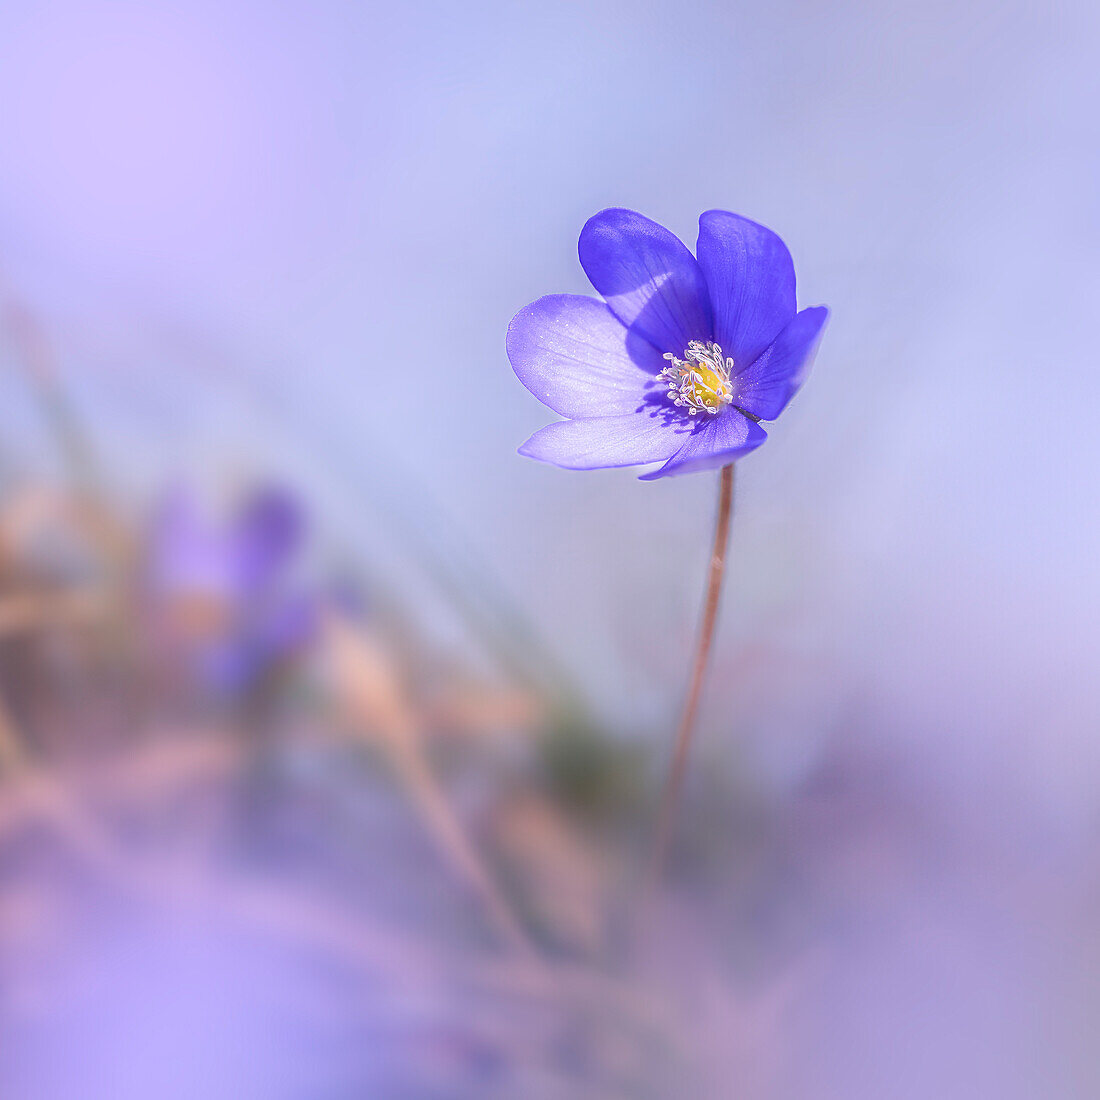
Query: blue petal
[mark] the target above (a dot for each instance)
(766, 387)
(750, 277)
(603, 441)
(269, 530)
(648, 277)
(721, 439)
(574, 355)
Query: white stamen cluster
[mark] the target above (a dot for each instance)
(700, 382)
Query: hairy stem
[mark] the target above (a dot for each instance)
(670, 798)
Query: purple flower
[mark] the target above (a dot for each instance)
(683, 361)
(220, 593)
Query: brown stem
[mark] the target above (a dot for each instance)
(372, 690)
(459, 850)
(34, 349)
(12, 753)
(671, 796)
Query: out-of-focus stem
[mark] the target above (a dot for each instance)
(460, 852)
(12, 755)
(670, 798)
(34, 350)
(372, 691)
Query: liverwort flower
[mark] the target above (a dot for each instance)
(682, 359)
(679, 364)
(221, 595)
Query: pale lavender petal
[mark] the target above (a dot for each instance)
(767, 386)
(574, 355)
(719, 440)
(750, 277)
(608, 441)
(648, 277)
(185, 553)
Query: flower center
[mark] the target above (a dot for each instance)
(700, 382)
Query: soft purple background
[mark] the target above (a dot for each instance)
(289, 237)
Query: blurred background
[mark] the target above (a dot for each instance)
(331, 730)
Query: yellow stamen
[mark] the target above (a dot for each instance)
(700, 382)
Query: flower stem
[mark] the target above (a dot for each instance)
(671, 796)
